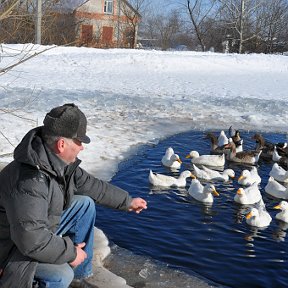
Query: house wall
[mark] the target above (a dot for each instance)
(108, 30)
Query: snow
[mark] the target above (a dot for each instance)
(135, 97)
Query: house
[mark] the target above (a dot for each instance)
(93, 23)
(106, 23)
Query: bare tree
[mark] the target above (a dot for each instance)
(7, 7)
(132, 10)
(164, 28)
(242, 20)
(199, 13)
(274, 15)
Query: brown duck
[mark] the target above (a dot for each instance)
(250, 157)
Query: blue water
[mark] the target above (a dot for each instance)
(214, 242)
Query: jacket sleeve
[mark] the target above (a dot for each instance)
(102, 192)
(27, 213)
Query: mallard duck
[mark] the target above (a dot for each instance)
(247, 177)
(202, 193)
(215, 149)
(209, 174)
(268, 147)
(236, 138)
(258, 217)
(157, 179)
(244, 157)
(283, 215)
(170, 159)
(207, 160)
(276, 189)
(279, 173)
(222, 139)
(249, 195)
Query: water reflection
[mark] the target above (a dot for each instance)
(280, 233)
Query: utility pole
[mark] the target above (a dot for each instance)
(38, 19)
(242, 15)
(118, 23)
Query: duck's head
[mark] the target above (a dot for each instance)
(193, 154)
(254, 212)
(210, 188)
(240, 192)
(187, 174)
(175, 157)
(230, 173)
(245, 174)
(283, 205)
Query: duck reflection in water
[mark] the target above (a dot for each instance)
(280, 233)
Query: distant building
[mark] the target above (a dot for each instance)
(92, 23)
(109, 23)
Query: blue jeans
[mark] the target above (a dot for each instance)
(77, 222)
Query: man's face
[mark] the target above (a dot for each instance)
(72, 147)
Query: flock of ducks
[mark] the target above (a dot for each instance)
(231, 149)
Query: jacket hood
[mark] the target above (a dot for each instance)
(32, 151)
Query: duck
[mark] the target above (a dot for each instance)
(236, 138)
(283, 215)
(207, 160)
(171, 160)
(209, 174)
(268, 147)
(279, 173)
(282, 160)
(157, 179)
(276, 189)
(222, 139)
(249, 195)
(258, 217)
(245, 157)
(215, 149)
(247, 177)
(202, 193)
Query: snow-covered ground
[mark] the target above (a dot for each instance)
(133, 97)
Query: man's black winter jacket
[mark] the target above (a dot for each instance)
(34, 190)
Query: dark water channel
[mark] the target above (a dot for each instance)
(215, 242)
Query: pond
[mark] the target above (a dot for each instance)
(212, 241)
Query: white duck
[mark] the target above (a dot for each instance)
(283, 215)
(276, 189)
(282, 160)
(258, 217)
(247, 177)
(207, 160)
(279, 173)
(245, 157)
(249, 195)
(170, 159)
(275, 156)
(202, 193)
(157, 179)
(209, 174)
(222, 139)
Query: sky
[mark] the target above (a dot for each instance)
(135, 97)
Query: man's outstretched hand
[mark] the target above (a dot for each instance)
(137, 205)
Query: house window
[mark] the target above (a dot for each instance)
(108, 6)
